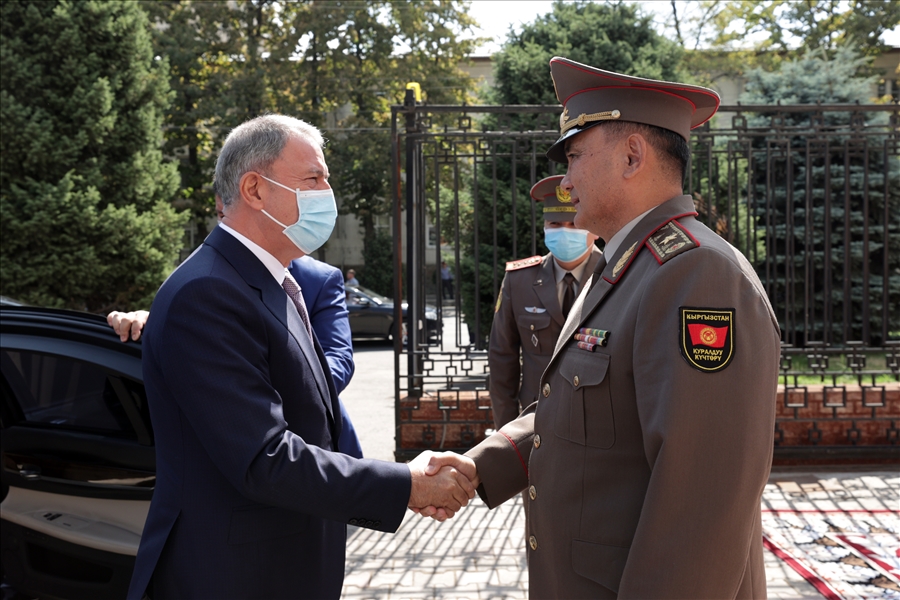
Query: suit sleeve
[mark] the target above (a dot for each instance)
(225, 393)
(707, 436)
(329, 319)
(503, 359)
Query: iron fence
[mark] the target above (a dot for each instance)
(810, 194)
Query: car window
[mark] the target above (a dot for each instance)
(61, 392)
(373, 296)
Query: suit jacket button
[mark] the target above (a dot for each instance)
(575, 381)
(546, 390)
(532, 541)
(537, 440)
(532, 492)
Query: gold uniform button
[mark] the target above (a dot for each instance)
(537, 441)
(532, 327)
(546, 390)
(532, 492)
(532, 541)
(576, 380)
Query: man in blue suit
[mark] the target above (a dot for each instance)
(252, 498)
(322, 287)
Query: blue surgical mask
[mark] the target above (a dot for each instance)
(317, 213)
(566, 243)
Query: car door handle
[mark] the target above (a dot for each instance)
(30, 472)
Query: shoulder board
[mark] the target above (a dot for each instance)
(524, 263)
(669, 241)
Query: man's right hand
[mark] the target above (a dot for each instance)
(128, 324)
(441, 480)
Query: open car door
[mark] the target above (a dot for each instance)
(78, 463)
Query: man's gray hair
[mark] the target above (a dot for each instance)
(254, 146)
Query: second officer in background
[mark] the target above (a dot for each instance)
(534, 300)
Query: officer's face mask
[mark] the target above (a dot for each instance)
(317, 213)
(566, 243)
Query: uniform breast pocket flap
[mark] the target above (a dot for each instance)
(534, 334)
(533, 321)
(585, 413)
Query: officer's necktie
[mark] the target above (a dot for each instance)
(568, 294)
(293, 291)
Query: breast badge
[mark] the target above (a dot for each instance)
(707, 337)
(590, 339)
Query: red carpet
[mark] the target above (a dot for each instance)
(842, 553)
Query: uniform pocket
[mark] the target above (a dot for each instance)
(599, 563)
(535, 333)
(584, 414)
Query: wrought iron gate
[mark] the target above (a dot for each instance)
(810, 194)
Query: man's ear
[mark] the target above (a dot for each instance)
(251, 190)
(636, 154)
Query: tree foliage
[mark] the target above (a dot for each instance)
(85, 218)
(338, 65)
(836, 211)
(616, 37)
(728, 37)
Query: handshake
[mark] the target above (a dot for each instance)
(441, 484)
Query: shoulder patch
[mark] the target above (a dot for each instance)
(707, 337)
(669, 241)
(523, 263)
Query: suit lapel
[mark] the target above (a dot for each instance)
(276, 301)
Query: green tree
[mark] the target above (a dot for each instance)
(836, 211)
(85, 219)
(617, 37)
(337, 65)
(718, 33)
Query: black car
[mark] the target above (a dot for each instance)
(78, 459)
(372, 315)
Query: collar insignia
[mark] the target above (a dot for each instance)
(622, 261)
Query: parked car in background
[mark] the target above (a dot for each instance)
(372, 315)
(78, 461)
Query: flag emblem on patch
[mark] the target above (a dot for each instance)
(707, 337)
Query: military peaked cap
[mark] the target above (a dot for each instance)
(590, 96)
(557, 202)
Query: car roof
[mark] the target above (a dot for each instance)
(65, 324)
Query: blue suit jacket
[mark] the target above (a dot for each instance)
(323, 292)
(251, 499)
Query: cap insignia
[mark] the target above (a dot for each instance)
(563, 195)
(607, 115)
(563, 117)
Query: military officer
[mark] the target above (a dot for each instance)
(647, 452)
(535, 298)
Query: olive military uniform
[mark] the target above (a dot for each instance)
(645, 467)
(527, 317)
(647, 452)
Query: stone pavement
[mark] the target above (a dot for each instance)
(480, 554)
